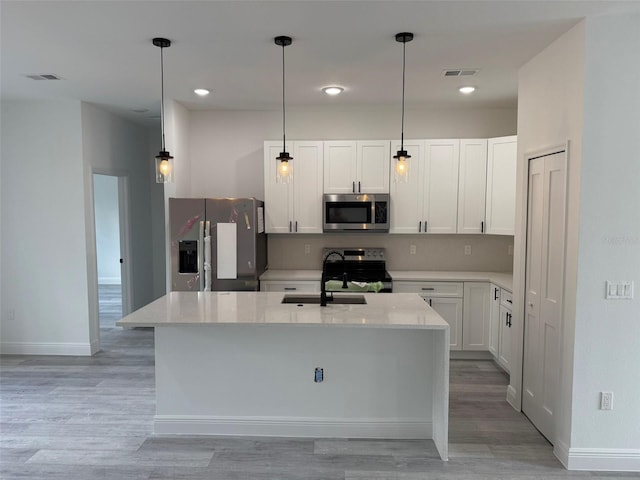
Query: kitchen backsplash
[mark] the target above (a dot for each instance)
(492, 253)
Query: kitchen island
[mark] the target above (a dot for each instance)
(244, 363)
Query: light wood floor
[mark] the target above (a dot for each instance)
(86, 418)
(109, 305)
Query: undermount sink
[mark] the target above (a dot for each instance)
(315, 299)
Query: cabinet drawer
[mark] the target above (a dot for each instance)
(506, 299)
(431, 289)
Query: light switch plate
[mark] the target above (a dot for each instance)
(619, 290)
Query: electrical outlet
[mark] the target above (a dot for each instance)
(467, 249)
(606, 400)
(318, 375)
(412, 249)
(307, 248)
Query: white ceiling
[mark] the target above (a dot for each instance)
(103, 50)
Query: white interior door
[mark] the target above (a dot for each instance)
(544, 288)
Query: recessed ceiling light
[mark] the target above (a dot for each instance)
(333, 90)
(203, 92)
(467, 90)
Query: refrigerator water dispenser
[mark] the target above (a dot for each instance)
(188, 256)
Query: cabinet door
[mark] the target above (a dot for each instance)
(450, 309)
(472, 186)
(307, 187)
(494, 320)
(504, 357)
(340, 167)
(306, 286)
(440, 200)
(278, 197)
(502, 156)
(406, 197)
(475, 318)
(373, 167)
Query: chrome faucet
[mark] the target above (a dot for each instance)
(325, 277)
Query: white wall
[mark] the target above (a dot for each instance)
(44, 254)
(550, 96)
(583, 88)
(607, 332)
(107, 216)
(50, 150)
(226, 147)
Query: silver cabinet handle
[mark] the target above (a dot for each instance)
(359, 188)
(531, 304)
(428, 288)
(290, 288)
(482, 227)
(353, 187)
(430, 302)
(289, 226)
(420, 226)
(296, 226)
(425, 226)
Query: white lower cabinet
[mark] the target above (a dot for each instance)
(445, 298)
(506, 315)
(476, 317)
(500, 307)
(494, 320)
(302, 286)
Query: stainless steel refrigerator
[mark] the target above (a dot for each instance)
(217, 244)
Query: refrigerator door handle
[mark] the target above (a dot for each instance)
(206, 266)
(201, 256)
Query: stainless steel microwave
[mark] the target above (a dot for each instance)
(355, 212)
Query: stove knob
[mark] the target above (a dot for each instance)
(375, 254)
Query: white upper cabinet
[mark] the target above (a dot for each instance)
(428, 201)
(441, 186)
(356, 166)
(472, 186)
(502, 155)
(294, 207)
(406, 197)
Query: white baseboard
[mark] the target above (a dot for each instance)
(292, 427)
(31, 348)
(598, 459)
(109, 281)
(511, 397)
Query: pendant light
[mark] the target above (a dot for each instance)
(164, 164)
(284, 168)
(402, 166)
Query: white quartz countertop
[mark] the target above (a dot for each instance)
(389, 310)
(501, 279)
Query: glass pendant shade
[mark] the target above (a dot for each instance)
(164, 167)
(402, 166)
(285, 168)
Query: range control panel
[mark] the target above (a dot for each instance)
(357, 254)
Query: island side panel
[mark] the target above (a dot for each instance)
(441, 392)
(259, 380)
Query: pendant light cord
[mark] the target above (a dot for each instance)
(404, 45)
(162, 95)
(284, 142)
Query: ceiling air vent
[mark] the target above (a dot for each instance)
(43, 76)
(461, 72)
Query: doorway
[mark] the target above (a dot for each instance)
(110, 227)
(544, 287)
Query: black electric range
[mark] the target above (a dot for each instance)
(360, 265)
